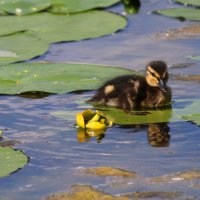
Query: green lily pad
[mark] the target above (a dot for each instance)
(37, 31)
(7, 54)
(56, 28)
(61, 78)
(193, 57)
(191, 107)
(195, 118)
(72, 6)
(23, 7)
(191, 112)
(189, 2)
(11, 160)
(139, 117)
(13, 48)
(181, 13)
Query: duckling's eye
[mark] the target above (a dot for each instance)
(152, 73)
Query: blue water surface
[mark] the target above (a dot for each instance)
(52, 143)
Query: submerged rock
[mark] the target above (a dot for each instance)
(188, 77)
(191, 31)
(189, 175)
(108, 171)
(180, 176)
(155, 194)
(84, 192)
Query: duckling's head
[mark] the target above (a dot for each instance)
(157, 75)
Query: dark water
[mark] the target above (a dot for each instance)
(52, 144)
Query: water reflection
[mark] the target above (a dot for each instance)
(153, 121)
(158, 134)
(85, 135)
(34, 95)
(131, 6)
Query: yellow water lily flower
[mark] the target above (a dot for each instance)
(88, 115)
(95, 125)
(80, 120)
(96, 118)
(89, 119)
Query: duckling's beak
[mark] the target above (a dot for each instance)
(162, 85)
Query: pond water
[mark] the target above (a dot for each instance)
(55, 149)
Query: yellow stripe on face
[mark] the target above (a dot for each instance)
(153, 72)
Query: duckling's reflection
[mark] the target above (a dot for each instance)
(158, 134)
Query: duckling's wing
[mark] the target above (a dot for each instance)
(123, 92)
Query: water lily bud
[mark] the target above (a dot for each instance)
(96, 118)
(80, 120)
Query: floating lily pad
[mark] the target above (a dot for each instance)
(190, 108)
(61, 78)
(72, 6)
(7, 54)
(118, 116)
(193, 57)
(193, 118)
(189, 2)
(11, 160)
(23, 7)
(181, 13)
(13, 48)
(35, 32)
(56, 28)
(189, 112)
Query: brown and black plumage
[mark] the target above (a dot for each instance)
(132, 91)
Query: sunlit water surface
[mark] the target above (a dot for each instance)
(52, 144)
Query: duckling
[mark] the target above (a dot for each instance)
(130, 92)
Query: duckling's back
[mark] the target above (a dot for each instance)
(124, 92)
